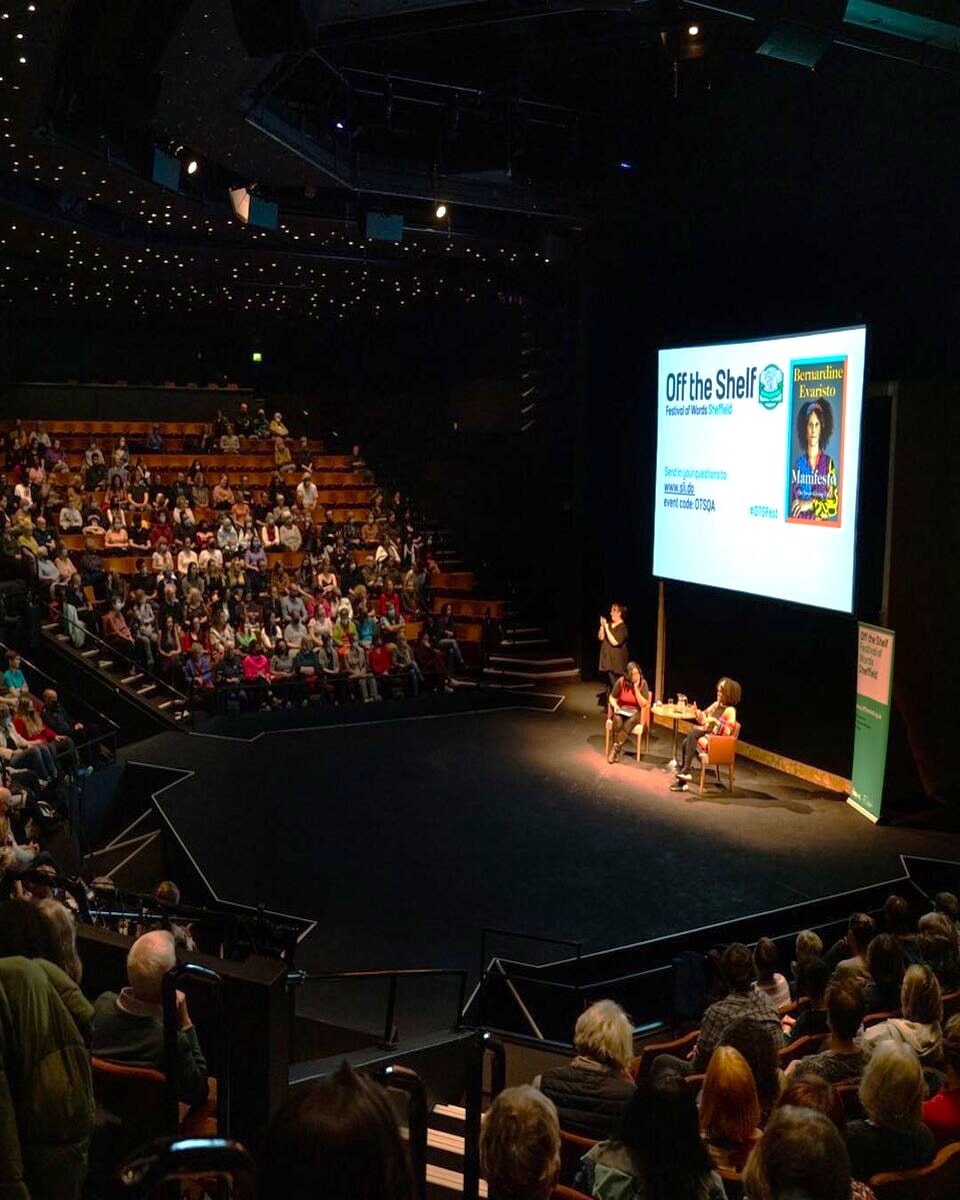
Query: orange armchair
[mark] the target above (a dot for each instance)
(721, 751)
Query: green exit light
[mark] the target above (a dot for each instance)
(257, 356)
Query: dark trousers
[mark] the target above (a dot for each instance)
(624, 726)
(688, 756)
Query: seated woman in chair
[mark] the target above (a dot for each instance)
(719, 719)
(629, 696)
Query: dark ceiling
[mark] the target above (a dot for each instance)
(543, 126)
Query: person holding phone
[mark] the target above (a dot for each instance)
(612, 636)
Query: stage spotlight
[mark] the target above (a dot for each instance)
(440, 212)
(625, 166)
(192, 166)
(339, 125)
(693, 30)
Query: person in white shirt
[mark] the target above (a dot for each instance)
(187, 557)
(70, 517)
(307, 493)
(290, 538)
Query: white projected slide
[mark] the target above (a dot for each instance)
(758, 456)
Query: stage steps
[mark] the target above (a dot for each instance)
(534, 663)
(445, 1130)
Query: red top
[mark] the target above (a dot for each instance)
(42, 735)
(380, 660)
(393, 601)
(942, 1116)
(255, 666)
(628, 697)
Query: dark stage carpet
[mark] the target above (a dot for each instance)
(404, 837)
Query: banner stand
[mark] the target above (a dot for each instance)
(872, 719)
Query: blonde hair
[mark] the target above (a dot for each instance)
(891, 1090)
(604, 1033)
(65, 931)
(920, 996)
(809, 945)
(520, 1143)
(729, 1106)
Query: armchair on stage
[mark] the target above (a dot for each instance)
(639, 730)
(721, 751)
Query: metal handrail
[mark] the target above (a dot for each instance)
(407, 1080)
(131, 662)
(486, 972)
(390, 1031)
(114, 727)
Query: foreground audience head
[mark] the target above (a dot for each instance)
(604, 1033)
(736, 967)
(896, 915)
(947, 902)
(729, 1108)
(859, 932)
(758, 1046)
(813, 1091)
(813, 976)
(885, 959)
(765, 958)
(520, 1145)
(845, 1008)
(26, 931)
(920, 998)
(338, 1140)
(151, 957)
(661, 1130)
(938, 924)
(891, 1090)
(801, 1153)
(65, 931)
(809, 945)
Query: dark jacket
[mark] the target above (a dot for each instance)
(136, 1039)
(873, 1149)
(590, 1098)
(46, 1091)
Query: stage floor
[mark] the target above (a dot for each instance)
(404, 836)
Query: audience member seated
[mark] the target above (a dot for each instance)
(896, 920)
(813, 976)
(886, 966)
(801, 1154)
(810, 1091)
(520, 1145)
(808, 945)
(938, 942)
(947, 902)
(919, 1027)
(729, 1109)
(743, 999)
(769, 981)
(591, 1091)
(757, 1045)
(656, 1152)
(46, 1091)
(338, 1140)
(941, 1113)
(843, 1057)
(850, 953)
(892, 1137)
(128, 1028)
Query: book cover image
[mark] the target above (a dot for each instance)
(818, 389)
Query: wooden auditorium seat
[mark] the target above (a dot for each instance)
(938, 1181)
(572, 1148)
(679, 1047)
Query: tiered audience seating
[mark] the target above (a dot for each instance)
(109, 492)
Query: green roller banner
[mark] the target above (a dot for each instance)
(872, 726)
